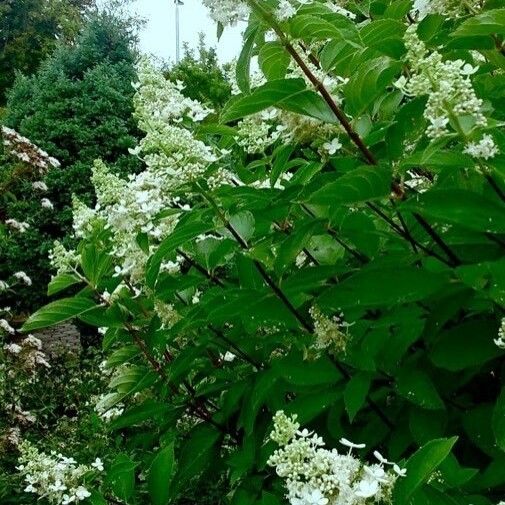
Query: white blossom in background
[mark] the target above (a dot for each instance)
(46, 204)
(58, 479)
(227, 12)
(450, 8)
(485, 148)
(28, 353)
(19, 226)
(6, 327)
(4, 286)
(39, 186)
(500, 341)
(22, 277)
(315, 475)
(447, 84)
(24, 150)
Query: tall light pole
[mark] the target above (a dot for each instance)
(177, 31)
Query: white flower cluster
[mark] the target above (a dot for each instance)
(46, 204)
(167, 313)
(500, 341)
(138, 205)
(169, 149)
(485, 148)
(227, 12)
(24, 150)
(62, 259)
(318, 476)
(58, 479)
(288, 8)
(447, 84)
(22, 277)
(331, 333)
(39, 186)
(28, 352)
(19, 226)
(450, 8)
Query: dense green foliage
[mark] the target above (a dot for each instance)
(77, 107)
(203, 77)
(331, 246)
(29, 31)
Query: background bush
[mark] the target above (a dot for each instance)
(78, 107)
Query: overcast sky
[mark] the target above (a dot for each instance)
(158, 35)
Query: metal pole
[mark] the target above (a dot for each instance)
(177, 33)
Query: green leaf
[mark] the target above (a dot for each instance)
(316, 21)
(58, 312)
(288, 94)
(387, 286)
(294, 243)
(499, 420)
(197, 453)
(320, 372)
(355, 393)
(136, 415)
(421, 466)
(467, 345)
(368, 81)
(487, 23)
(95, 263)
(244, 60)
(160, 476)
(185, 232)
(243, 223)
(61, 282)
(358, 185)
(385, 35)
(464, 208)
(417, 387)
(307, 26)
(121, 477)
(273, 60)
(280, 164)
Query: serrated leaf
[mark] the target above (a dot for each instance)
(121, 477)
(139, 414)
(462, 207)
(355, 394)
(61, 282)
(243, 67)
(417, 387)
(287, 94)
(487, 23)
(160, 476)
(58, 312)
(182, 234)
(197, 453)
(397, 285)
(358, 185)
(499, 420)
(273, 60)
(420, 467)
(368, 81)
(465, 346)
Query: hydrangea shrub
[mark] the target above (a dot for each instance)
(325, 252)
